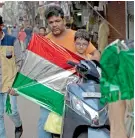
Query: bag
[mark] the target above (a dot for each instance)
(53, 123)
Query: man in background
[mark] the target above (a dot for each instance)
(15, 31)
(42, 31)
(36, 29)
(28, 31)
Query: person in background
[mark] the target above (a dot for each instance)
(5, 30)
(103, 33)
(10, 63)
(9, 30)
(73, 26)
(82, 41)
(68, 25)
(36, 29)
(28, 31)
(21, 38)
(15, 31)
(42, 31)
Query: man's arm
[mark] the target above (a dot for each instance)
(18, 54)
(95, 55)
(19, 58)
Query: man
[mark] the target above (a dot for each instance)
(103, 34)
(28, 32)
(10, 61)
(42, 31)
(15, 31)
(4, 29)
(64, 37)
(36, 29)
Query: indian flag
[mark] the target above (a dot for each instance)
(45, 73)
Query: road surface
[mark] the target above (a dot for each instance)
(29, 112)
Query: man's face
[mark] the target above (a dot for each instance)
(81, 45)
(42, 32)
(56, 24)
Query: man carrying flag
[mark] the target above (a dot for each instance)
(10, 62)
(63, 37)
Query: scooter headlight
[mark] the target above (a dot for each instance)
(85, 110)
(78, 105)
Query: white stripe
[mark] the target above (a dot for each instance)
(45, 72)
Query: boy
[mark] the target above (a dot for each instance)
(81, 41)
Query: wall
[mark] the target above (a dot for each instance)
(1, 10)
(130, 19)
(116, 16)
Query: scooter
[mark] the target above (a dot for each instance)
(85, 116)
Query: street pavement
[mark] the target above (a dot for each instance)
(29, 112)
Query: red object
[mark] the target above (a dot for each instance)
(22, 36)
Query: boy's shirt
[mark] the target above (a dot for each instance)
(85, 56)
(88, 56)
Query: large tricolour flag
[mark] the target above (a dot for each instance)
(45, 73)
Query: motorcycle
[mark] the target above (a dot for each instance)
(85, 116)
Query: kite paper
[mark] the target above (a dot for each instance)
(44, 74)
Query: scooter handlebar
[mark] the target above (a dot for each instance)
(72, 63)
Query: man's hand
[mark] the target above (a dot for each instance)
(12, 92)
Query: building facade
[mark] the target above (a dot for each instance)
(121, 16)
(129, 7)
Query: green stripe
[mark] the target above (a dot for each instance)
(21, 80)
(44, 95)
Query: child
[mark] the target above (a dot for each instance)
(82, 40)
(21, 37)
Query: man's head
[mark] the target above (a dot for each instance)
(42, 31)
(1, 23)
(55, 19)
(22, 29)
(68, 25)
(81, 40)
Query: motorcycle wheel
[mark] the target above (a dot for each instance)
(83, 135)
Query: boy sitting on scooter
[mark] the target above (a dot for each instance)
(81, 41)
